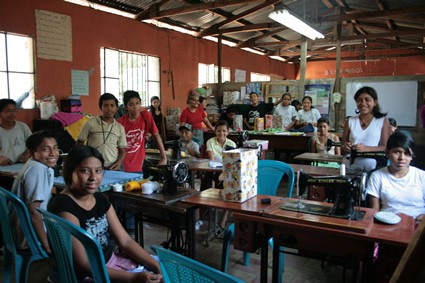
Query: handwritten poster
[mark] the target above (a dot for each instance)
(80, 82)
(54, 35)
(320, 95)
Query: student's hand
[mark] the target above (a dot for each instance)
(163, 161)
(346, 147)
(4, 161)
(359, 147)
(148, 136)
(148, 277)
(116, 166)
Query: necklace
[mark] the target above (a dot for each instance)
(103, 131)
(363, 123)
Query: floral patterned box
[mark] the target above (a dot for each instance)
(240, 168)
(268, 121)
(259, 124)
(238, 123)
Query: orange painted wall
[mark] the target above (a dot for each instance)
(93, 29)
(403, 66)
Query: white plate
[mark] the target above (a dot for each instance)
(387, 217)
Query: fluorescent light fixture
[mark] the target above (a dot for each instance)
(278, 58)
(292, 22)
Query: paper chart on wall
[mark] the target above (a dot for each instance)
(54, 35)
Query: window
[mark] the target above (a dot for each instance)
(121, 71)
(256, 77)
(17, 69)
(208, 74)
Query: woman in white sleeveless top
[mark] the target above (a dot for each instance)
(368, 131)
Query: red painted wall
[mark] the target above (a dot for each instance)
(93, 29)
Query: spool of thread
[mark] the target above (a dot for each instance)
(132, 185)
(342, 170)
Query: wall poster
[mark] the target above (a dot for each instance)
(320, 94)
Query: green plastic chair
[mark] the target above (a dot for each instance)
(60, 232)
(22, 258)
(268, 182)
(177, 268)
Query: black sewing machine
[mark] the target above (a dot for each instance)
(330, 143)
(242, 136)
(379, 156)
(178, 148)
(348, 194)
(169, 175)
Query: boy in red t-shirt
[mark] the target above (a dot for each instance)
(137, 123)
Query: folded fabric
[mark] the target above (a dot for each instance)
(75, 128)
(66, 118)
(215, 164)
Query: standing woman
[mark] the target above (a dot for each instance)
(158, 118)
(286, 110)
(194, 115)
(307, 115)
(368, 131)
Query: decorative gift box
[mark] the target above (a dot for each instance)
(171, 122)
(240, 168)
(238, 123)
(278, 122)
(259, 124)
(268, 121)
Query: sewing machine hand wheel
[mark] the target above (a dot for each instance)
(362, 187)
(180, 172)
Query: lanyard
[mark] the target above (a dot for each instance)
(103, 131)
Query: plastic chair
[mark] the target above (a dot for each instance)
(272, 172)
(22, 258)
(60, 232)
(177, 268)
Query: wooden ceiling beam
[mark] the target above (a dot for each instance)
(386, 34)
(332, 53)
(252, 41)
(253, 10)
(151, 10)
(247, 28)
(157, 14)
(374, 14)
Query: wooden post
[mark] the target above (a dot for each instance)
(303, 66)
(219, 86)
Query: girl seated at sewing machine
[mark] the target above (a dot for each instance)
(320, 142)
(398, 187)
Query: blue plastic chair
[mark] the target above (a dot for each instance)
(22, 258)
(60, 232)
(272, 172)
(177, 268)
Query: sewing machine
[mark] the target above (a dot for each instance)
(330, 143)
(349, 192)
(170, 176)
(379, 156)
(242, 136)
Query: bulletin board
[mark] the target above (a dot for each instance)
(320, 94)
(396, 98)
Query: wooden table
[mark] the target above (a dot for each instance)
(162, 209)
(317, 234)
(318, 157)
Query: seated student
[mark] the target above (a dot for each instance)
(307, 115)
(215, 147)
(297, 104)
(393, 125)
(13, 135)
(229, 115)
(256, 110)
(137, 124)
(105, 134)
(286, 110)
(217, 144)
(34, 182)
(319, 144)
(188, 145)
(82, 204)
(398, 187)
(320, 141)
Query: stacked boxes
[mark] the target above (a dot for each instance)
(278, 122)
(172, 119)
(240, 169)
